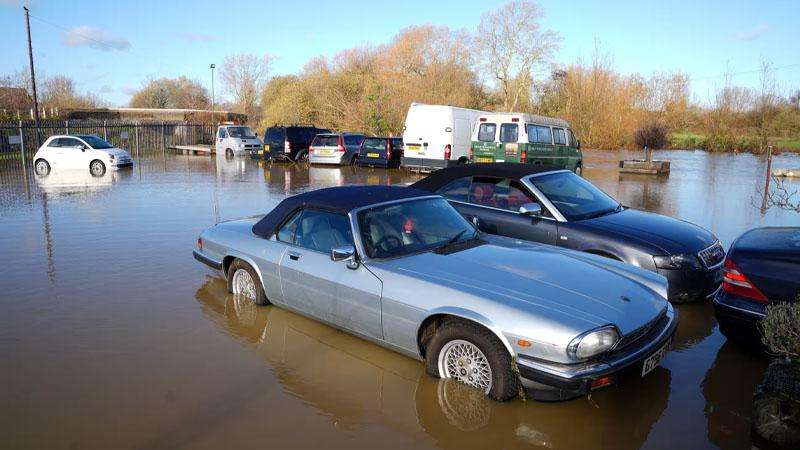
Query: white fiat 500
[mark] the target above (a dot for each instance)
(79, 151)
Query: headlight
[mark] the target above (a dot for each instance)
(686, 260)
(593, 343)
(241, 145)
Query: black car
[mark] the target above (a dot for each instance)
(762, 267)
(554, 206)
(289, 142)
(381, 152)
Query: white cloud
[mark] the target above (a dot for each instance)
(198, 37)
(753, 34)
(95, 38)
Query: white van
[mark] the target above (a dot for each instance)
(237, 140)
(437, 136)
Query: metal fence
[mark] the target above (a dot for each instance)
(136, 137)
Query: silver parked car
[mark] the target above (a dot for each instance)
(404, 269)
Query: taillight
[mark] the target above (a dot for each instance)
(199, 243)
(523, 155)
(471, 153)
(287, 146)
(447, 151)
(341, 145)
(388, 150)
(737, 283)
(310, 149)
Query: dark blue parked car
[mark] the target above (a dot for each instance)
(762, 267)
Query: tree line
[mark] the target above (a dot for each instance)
(505, 64)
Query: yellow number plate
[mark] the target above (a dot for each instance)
(266, 148)
(483, 160)
(373, 155)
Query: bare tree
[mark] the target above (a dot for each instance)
(782, 197)
(180, 92)
(244, 76)
(512, 45)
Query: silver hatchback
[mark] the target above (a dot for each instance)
(404, 269)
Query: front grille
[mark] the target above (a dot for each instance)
(712, 256)
(651, 328)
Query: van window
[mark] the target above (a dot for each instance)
(559, 136)
(222, 133)
(456, 190)
(487, 131)
(572, 141)
(353, 140)
(274, 135)
(509, 132)
(539, 134)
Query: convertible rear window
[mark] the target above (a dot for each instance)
(411, 226)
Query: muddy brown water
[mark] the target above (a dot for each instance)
(112, 336)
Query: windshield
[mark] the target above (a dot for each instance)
(241, 132)
(576, 198)
(96, 143)
(412, 226)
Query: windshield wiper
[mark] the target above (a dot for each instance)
(455, 239)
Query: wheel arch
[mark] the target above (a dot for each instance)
(437, 316)
(229, 258)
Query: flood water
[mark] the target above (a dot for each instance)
(113, 336)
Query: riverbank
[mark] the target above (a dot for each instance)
(730, 143)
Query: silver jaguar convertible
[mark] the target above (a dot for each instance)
(402, 268)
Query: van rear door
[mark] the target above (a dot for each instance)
(508, 149)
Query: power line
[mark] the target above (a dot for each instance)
(84, 36)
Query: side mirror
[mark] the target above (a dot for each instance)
(345, 253)
(531, 209)
(579, 144)
(82, 147)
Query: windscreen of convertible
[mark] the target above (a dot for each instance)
(411, 226)
(576, 198)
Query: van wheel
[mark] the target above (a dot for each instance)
(471, 354)
(463, 160)
(41, 167)
(229, 153)
(301, 157)
(97, 168)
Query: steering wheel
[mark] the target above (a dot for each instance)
(386, 239)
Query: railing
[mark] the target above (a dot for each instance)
(19, 140)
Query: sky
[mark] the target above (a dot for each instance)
(111, 47)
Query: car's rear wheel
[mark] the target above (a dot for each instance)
(97, 168)
(243, 280)
(41, 167)
(473, 355)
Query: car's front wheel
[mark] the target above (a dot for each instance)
(243, 280)
(42, 167)
(97, 168)
(228, 153)
(473, 355)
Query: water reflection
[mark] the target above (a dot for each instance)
(78, 182)
(697, 322)
(728, 390)
(355, 382)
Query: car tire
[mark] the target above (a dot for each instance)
(301, 157)
(455, 337)
(41, 167)
(228, 153)
(97, 168)
(239, 275)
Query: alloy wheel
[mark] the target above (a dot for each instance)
(243, 284)
(466, 363)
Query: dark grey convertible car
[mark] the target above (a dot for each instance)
(402, 268)
(557, 207)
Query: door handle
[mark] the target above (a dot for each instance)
(294, 256)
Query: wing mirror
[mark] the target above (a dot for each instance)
(345, 253)
(531, 209)
(82, 147)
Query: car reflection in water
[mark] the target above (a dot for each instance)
(356, 382)
(69, 182)
(727, 388)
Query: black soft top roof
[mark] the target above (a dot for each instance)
(342, 199)
(514, 171)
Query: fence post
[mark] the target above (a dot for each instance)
(105, 131)
(164, 139)
(22, 145)
(136, 132)
(67, 125)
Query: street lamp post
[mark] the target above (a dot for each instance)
(212, 91)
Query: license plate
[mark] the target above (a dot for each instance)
(652, 362)
(483, 159)
(325, 152)
(261, 152)
(266, 148)
(373, 155)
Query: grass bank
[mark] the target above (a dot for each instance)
(729, 143)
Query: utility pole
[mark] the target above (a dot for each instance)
(33, 75)
(212, 91)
